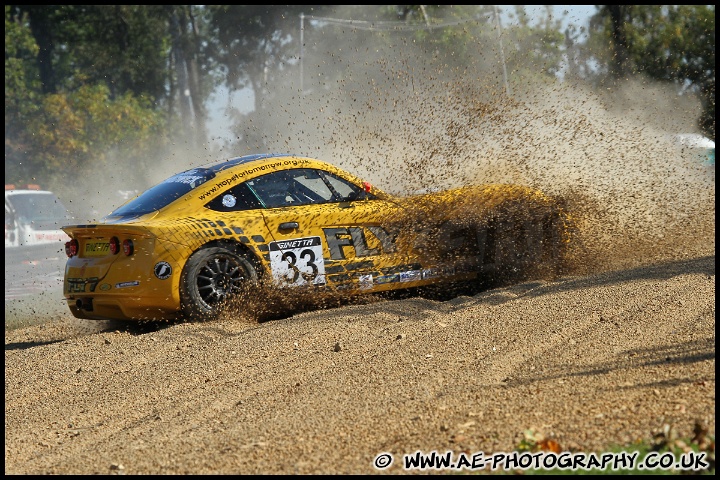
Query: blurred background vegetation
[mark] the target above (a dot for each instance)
(92, 89)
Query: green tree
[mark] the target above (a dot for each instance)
(257, 47)
(22, 91)
(193, 66)
(255, 44)
(89, 131)
(142, 65)
(151, 51)
(670, 43)
(386, 45)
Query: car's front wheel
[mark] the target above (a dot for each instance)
(210, 278)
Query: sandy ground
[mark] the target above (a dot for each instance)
(589, 361)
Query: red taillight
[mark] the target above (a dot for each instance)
(71, 248)
(128, 247)
(114, 245)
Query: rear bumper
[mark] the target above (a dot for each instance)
(114, 308)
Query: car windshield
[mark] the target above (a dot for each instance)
(164, 193)
(38, 208)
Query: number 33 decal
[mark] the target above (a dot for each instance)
(297, 262)
(310, 262)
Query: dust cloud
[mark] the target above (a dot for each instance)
(411, 122)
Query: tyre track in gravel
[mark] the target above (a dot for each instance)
(578, 359)
(626, 311)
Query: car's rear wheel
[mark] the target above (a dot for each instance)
(211, 277)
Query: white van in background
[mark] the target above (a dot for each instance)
(34, 217)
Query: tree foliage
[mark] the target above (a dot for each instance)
(671, 43)
(255, 44)
(343, 49)
(85, 84)
(82, 81)
(22, 90)
(71, 127)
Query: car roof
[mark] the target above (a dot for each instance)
(27, 192)
(220, 166)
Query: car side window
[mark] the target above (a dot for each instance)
(235, 199)
(310, 186)
(345, 190)
(271, 189)
(288, 188)
(302, 186)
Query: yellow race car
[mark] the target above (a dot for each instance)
(182, 248)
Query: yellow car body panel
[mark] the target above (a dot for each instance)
(344, 234)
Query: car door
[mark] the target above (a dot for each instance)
(326, 230)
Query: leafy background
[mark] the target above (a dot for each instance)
(106, 97)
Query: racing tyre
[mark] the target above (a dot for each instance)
(210, 278)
